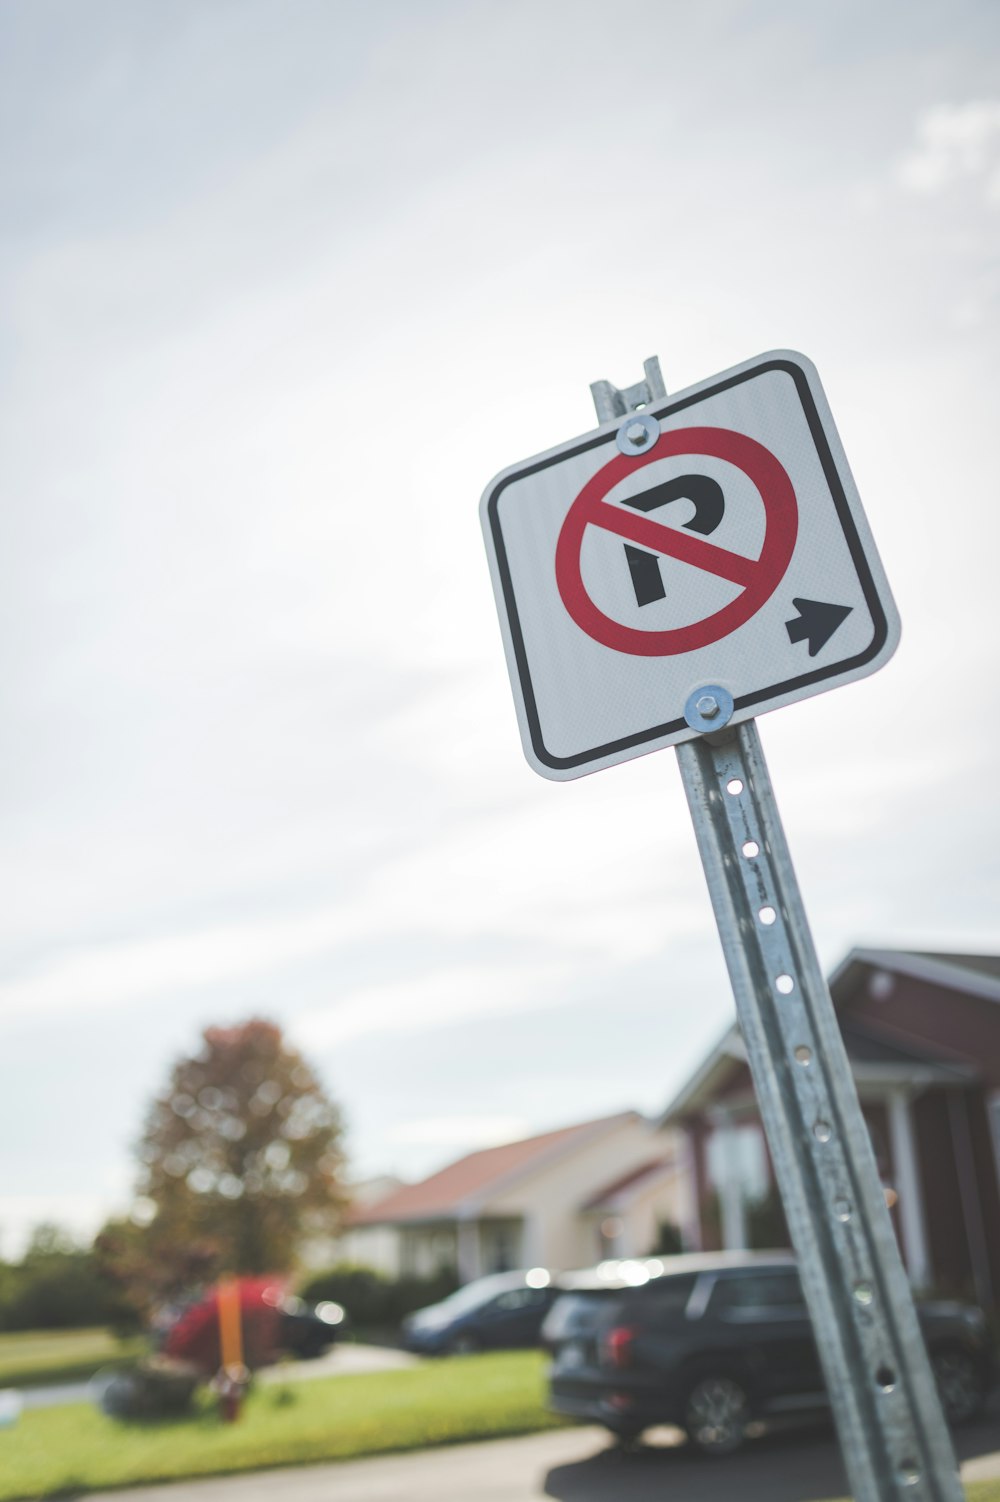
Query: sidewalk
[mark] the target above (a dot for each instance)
(570, 1465)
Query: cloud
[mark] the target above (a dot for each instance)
(955, 143)
(442, 995)
(506, 903)
(106, 975)
(80, 1214)
(469, 1132)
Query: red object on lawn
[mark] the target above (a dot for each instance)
(195, 1336)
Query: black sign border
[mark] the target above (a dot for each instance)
(666, 409)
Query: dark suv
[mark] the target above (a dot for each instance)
(714, 1342)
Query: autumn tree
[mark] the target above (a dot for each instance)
(241, 1153)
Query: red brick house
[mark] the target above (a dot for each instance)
(922, 1032)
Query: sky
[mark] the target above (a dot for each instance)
(283, 287)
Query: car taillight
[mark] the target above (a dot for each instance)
(618, 1346)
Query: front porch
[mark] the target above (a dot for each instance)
(736, 1200)
(471, 1247)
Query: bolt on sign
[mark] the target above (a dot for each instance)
(714, 538)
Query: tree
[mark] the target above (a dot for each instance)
(241, 1155)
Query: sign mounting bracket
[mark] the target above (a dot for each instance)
(612, 402)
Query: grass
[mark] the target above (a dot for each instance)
(32, 1357)
(66, 1451)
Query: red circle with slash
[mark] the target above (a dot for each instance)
(758, 577)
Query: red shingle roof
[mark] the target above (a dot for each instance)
(443, 1193)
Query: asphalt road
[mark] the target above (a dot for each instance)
(570, 1465)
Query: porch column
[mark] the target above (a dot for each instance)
(532, 1243)
(912, 1224)
(734, 1223)
(469, 1251)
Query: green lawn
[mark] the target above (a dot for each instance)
(32, 1357)
(72, 1450)
(76, 1449)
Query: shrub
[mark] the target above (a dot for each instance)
(373, 1299)
(55, 1287)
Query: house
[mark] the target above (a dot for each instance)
(922, 1033)
(567, 1198)
(317, 1253)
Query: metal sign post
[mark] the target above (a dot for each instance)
(892, 1431)
(625, 633)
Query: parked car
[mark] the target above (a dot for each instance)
(500, 1311)
(714, 1342)
(309, 1330)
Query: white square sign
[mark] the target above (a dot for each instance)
(722, 546)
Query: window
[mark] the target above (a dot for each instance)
(665, 1298)
(521, 1298)
(758, 1293)
(738, 1152)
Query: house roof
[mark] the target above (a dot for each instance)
(973, 974)
(986, 964)
(462, 1185)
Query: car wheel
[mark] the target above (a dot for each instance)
(464, 1344)
(959, 1385)
(716, 1414)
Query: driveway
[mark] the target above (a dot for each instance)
(342, 1361)
(570, 1465)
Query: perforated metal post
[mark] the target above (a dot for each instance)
(892, 1431)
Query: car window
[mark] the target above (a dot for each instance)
(575, 1314)
(474, 1295)
(662, 1298)
(779, 1290)
(521, 1298)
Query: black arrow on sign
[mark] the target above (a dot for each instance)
(705, 494)
(816, 622)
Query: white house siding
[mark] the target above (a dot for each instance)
(650, 1209)
(369, 1246)
(426, 1250)
(552, 1195)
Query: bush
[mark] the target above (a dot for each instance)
(56, 1286)
(373, 1299)
(669, 1242)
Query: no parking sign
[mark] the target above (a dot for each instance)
(692, 563)
(723, 544)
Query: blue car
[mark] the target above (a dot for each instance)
(499, 1312)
